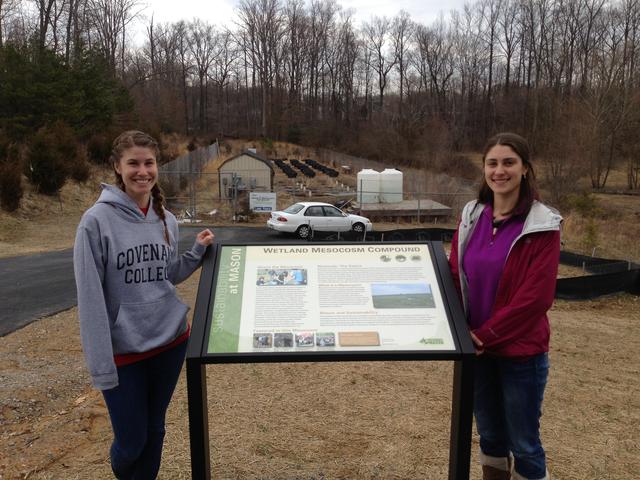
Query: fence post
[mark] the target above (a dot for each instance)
(192, 183)
(419, 195)
(195, 189)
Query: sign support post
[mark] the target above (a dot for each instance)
(461, 419)
(198, 419)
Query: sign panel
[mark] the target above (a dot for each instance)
(262, 201)
(301, 298)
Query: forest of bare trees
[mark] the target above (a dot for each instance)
(562, 72)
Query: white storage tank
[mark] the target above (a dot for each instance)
(368, 186)
(390, 186)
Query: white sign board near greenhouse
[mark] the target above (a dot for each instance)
(262, 201)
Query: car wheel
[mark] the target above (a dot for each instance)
(303, 231)
(358, 227)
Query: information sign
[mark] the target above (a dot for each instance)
(288, 298)
(262, 201)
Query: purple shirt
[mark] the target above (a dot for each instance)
(484, 260)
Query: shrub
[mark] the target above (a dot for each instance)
(79, 167)
(99, 148)
(457, 165)
(294, 133)
(591, 234)
(165, 157)
(10, 178)
(169, 187)
(53, 152)
(585, 204)
(267, 145)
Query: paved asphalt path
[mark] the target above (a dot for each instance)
(34, 286)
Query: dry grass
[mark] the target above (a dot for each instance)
(44, 223)
(611, 233)
(378, 420)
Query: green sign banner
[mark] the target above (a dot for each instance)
(227, 311)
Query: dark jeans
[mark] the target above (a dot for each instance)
(507, 407)
(137, 408)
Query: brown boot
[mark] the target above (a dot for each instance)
(496, 468)
(493, 473)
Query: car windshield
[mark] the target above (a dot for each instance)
(295, 208)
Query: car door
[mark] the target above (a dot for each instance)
(335, 220)
(315, 217)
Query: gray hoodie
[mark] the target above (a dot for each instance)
(125, 275)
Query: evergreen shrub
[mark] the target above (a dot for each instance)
(79, 167)
(11, 190)
(53, 155)
(99, 148)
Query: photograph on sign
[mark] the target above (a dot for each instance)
(304, 298)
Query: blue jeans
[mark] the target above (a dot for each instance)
(507, 407)
(137, 408)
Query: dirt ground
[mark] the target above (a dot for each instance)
(377, 420)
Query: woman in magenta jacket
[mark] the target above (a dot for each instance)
(504, 260)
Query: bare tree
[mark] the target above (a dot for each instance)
(606, 101)
(490, 11)
(349, 50)
(7, 9)
(509, 39)
(436, 60)
(377, 33)
(322, 13)
(297, 45)
(262, 22)
(227, 53)
(402, 31)
(109, 20)
(468, 56)
(588, 36)
(45, 10)
(72, 37)
(202, 44)
(181, 33)
(630, 10)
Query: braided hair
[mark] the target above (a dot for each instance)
(136, 138)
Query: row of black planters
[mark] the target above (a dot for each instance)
(326, 170)
(304, 168)
(286, 168)
(306, 171)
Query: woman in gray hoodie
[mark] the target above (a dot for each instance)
(133, 326)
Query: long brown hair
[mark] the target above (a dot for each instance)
(136, 138)
(528, 187)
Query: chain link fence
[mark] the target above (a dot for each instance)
(179, 179)
(192, 187)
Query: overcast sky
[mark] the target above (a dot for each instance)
(221, 12)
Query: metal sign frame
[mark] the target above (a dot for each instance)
(463, 358)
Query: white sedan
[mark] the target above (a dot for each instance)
(301, 218)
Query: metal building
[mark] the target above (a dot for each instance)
(247, 171)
